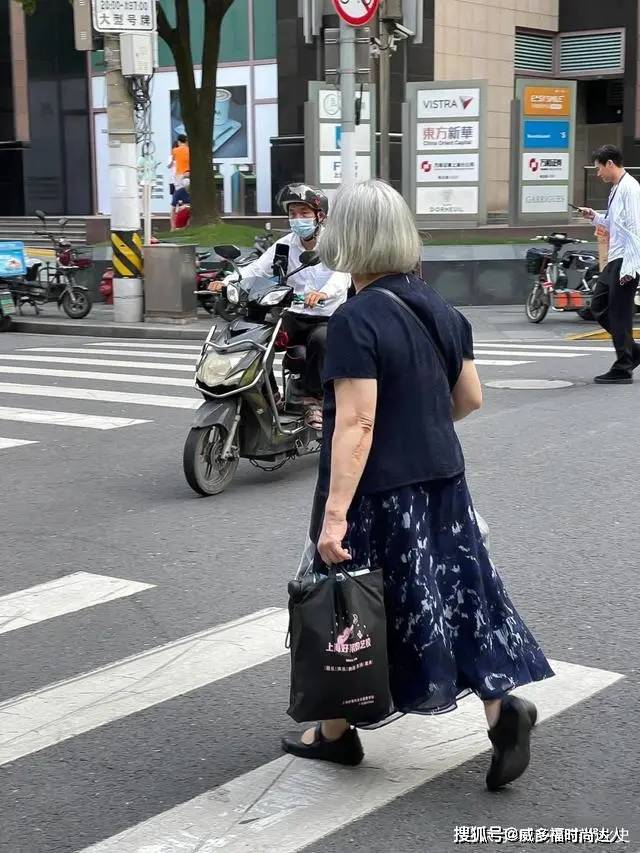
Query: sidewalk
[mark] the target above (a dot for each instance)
(100, 323)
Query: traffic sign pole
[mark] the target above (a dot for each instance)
(348, 98)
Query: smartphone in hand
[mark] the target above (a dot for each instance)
(575, 207)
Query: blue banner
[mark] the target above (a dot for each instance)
(546, 134)
(12, 259)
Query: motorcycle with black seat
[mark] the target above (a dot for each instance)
(240, 418)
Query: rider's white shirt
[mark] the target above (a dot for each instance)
(318, 278)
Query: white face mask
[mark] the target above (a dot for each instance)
(303, 228)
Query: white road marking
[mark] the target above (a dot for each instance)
(187, 356)
(63, 595)
(73, 419)
(500, 363)
(5, 443)
(99, 395)
(519, 352)
(565, 348)
(60, 711)
(291, 803)
(99, 362)
(157, 345)
(139, 378)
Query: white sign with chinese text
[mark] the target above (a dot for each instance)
(449, 103)
(447, 201)
(331, 168)
(447, 168)
(120, 16)
(545, 167)
(453, 136)
(544, 199)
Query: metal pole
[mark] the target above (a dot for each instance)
(348, 96)
(123, 189)
(384, 82)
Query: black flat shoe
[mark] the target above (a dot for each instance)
(510, 737)
(614, 377)
(347, 749)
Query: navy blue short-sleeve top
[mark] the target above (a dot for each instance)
(371, 337)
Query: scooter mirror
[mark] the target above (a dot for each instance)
(310, 258)
(229, 253)
(267, 226)
(40, 214)
(62, 222)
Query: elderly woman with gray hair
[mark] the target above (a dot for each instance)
(392, 493)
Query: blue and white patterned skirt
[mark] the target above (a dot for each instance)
(451, 627)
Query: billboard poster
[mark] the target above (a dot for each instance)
(547, 101)
(545, 199)
(452, 136)
(448, 103)
(449, 201)
(447, 168)
(546, 134)
(230, 136)
(545, 167)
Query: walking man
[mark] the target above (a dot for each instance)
(613, 300)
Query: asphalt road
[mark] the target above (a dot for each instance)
(555, 474)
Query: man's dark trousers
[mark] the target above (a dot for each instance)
(613, 307)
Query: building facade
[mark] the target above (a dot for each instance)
(53, 143)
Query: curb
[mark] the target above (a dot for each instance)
(109, 330)
(598, 336)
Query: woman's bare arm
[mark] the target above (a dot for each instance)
(355, 416)
(466, 396)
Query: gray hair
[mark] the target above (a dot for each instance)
(370, 230)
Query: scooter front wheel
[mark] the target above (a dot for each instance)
(206, 472)
(76, 303)
(536, 307)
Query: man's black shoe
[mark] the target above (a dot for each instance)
(510, 738)
(347, 749)
(614, 377)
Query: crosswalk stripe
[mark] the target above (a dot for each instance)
(72, 419)
(499, 363)
(99, 395)
(565, 348)
(68, 594)
(99, 362)
(60, 711)
(290, 803)
(156, 345)
(173, 381)
(529, 354)
(6, 443)
(187, 356)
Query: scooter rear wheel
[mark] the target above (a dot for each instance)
(206, 472)
(76, 304)
(535, 307)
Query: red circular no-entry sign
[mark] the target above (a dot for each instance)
(356, 12)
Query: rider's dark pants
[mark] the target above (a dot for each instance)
(311, 332)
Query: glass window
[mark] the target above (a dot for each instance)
(264, 29)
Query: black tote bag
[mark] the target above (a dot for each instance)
(339, 666)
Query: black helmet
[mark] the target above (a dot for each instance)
(303, 194)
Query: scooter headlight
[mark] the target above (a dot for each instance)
(274, 297)
(233, 297)
(216, 367)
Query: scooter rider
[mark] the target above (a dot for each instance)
(319, 291)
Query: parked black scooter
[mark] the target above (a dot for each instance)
(240, 418)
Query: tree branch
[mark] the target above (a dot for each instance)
(165, 30)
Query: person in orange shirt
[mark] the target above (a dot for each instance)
(179, 162)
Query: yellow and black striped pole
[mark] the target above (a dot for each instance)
(127, 254)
